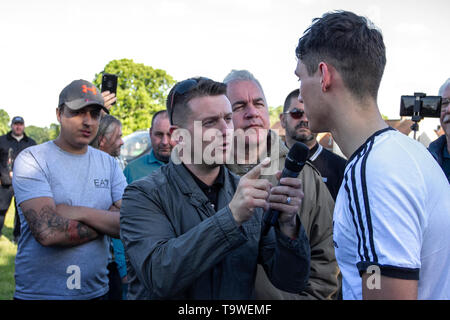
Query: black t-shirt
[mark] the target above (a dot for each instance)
(331, 167)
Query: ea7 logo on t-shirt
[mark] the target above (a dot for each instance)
(101, 183)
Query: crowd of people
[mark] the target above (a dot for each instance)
(185, 221)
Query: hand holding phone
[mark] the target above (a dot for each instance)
(109, 83)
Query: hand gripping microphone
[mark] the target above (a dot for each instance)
(295, 160)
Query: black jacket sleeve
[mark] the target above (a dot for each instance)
(286, 261)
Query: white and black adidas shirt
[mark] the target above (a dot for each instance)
(393, 211)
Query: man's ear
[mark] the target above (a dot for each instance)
(282, 115)
(173, 142)
(325, 76)
(102, 142)
(58, 115)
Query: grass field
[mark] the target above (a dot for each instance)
(7, 255)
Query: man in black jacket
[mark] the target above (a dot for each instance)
(10, 146)
(192, 228)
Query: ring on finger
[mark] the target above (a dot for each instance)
(288, 200)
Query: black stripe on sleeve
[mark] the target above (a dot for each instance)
(347, 189)
(358, 207)
(390, 271)
(366, 202)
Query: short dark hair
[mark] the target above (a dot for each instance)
(186, 90)
(163, 113)
(293, 95)
(350, 43)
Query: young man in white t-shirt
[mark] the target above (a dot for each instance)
(393, 208)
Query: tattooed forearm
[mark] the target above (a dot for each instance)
(49, 228)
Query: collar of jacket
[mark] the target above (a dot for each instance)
(10, 137)
(274, 152)
(180, 175)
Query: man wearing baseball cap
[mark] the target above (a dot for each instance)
(10, 146)
(69, 195)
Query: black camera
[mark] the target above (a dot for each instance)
(420, 105)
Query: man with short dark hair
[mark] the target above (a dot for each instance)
(391, 214)
(11, 144)
(294, 121)
(440, 148)
(69, 195)
(252, 123)
(160, 153)
(192, 229)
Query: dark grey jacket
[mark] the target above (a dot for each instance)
(178, 247)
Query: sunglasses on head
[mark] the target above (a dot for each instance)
(181, 88)
(295, 114)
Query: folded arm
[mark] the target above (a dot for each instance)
(105, 221)
(51, 229)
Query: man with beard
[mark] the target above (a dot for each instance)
(294, 121)
(251, 120)
(109, 136)
(192, 229)
(160, 153)
(440, 148)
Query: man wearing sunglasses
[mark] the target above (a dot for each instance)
(251, 119)
(192, 229)
(69, 195)
(294, 121)
(440, 148)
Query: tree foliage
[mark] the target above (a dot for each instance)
(53, 131)
(274, 114)
(41, 135)
(38, 134)
(4, 122)
(141, 92)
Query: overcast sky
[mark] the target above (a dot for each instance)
(46, 44)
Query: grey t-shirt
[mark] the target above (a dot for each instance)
(93, 180)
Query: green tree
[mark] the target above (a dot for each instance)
(38, 134)
(53, 131)
(4, 122)
(141, 92)
(274, 114)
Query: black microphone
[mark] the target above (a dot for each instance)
(295, 160)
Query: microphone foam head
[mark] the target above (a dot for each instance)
(297, 157)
